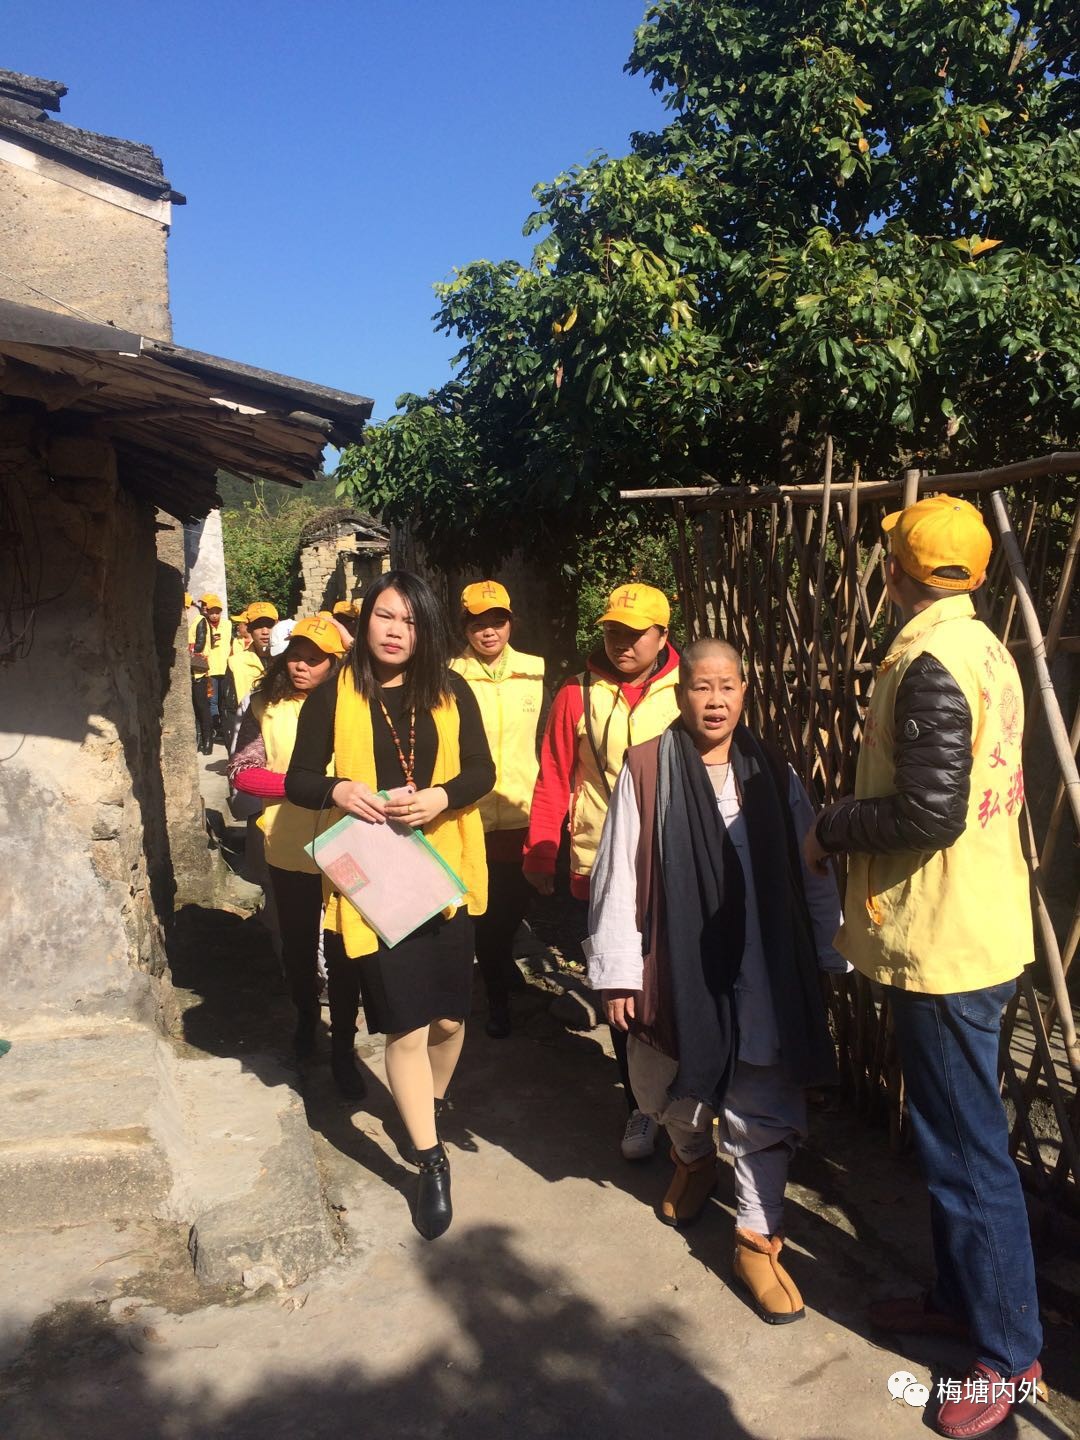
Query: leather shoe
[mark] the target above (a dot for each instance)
(985, 1399)
(347, 1076)
(433, 1212)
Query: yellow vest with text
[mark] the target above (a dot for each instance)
(510, 708)
(287, 827)
(956, 919)
(458, 835)
(615, 727)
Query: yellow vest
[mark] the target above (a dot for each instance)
(624, 727)
(960, 918)
(217, 655)
(246, 668)
(287, 827)
(510, 708)
(458, 835)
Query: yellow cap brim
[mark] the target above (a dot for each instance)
(889, 521)
(483, 609)
(632, 619)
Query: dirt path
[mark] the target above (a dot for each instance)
(556, 1306)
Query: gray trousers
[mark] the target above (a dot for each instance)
(762, 1120)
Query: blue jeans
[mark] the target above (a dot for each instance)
(982, 1245)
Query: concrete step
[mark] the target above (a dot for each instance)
(112, 1124)
(77, 1138)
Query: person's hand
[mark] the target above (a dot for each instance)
(419, 808)
(816, 857)
(541, 882)
(356, 798)
(619, 1008)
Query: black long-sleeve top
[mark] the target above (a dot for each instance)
(932, 751)
(308, 784)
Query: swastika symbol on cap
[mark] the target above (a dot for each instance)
(489, 591)
(628, 597)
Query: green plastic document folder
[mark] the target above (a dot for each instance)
(392, 875)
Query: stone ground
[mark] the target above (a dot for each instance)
(556, 1306)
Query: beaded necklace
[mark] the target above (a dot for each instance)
(408, 764)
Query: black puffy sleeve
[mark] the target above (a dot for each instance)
(932, 757)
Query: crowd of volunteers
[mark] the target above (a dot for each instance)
(700, 882)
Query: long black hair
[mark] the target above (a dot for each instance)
(274, 683)
(427, 679)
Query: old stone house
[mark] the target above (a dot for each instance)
(341, 551)
(110, 440)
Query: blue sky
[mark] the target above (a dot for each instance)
(339, 158)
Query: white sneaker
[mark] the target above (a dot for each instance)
(639, 1137)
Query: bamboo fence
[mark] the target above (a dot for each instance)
(795, 577)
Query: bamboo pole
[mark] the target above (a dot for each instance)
(1061, 462)
(1054, 719)
(810, 737)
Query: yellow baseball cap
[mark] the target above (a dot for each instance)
(241, 618)
(940, 533)
(261, 610)
(211, 601)
(187, 599)
(637, 607)
(484, 595)
(320, 632)
(347, 607)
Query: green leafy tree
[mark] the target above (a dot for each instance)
(863, 220)
(261, 549)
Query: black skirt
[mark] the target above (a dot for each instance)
(425, 977)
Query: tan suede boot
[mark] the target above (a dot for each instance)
(690, 1188)
(757, 1266)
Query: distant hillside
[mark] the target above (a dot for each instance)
(236, 493)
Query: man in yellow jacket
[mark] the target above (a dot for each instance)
(625, 695)
(938, 913)
(209, 644)
(509, 688)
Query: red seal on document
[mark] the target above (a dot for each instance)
(345, 875)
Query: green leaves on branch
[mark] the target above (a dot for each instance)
(862, 220)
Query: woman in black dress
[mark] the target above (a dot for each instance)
(397, 718)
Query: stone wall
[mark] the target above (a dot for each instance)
(71, 242)
(337, 567)
(83, 836)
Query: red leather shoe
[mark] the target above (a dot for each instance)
(914, 1315)
(984, 1399)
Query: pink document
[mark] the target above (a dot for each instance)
(390, 873)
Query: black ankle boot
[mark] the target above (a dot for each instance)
(346, 1073)
(433, 1209)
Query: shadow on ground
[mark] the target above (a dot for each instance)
(550, 1098)
(533, 1358)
